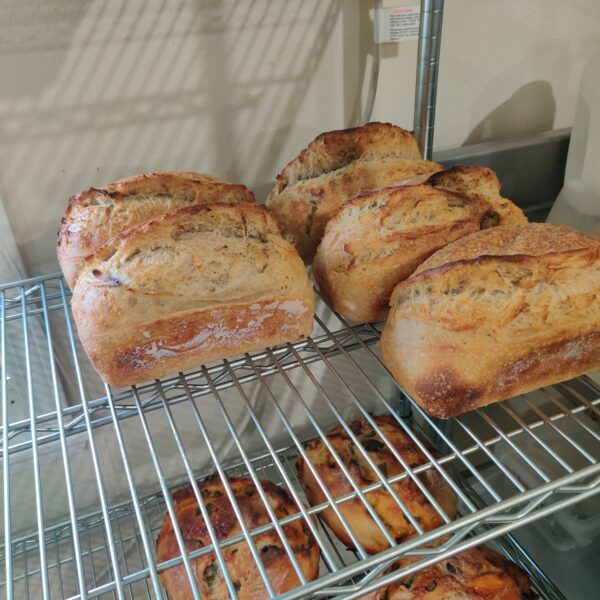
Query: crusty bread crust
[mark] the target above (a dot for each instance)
(357, 516)
(496, 314)
(193, 286)
(335, 149)
(239, 560)
(380, 237)
(478, 573)
(97, 215)
(334, 168)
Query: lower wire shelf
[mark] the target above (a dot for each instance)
(88, 471)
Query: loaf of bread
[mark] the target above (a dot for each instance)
(496, 314)
(335, 167)
(477, 574)
(98, 215)
(360, 521)
(380, 237)
(192, 286)
(240, 563)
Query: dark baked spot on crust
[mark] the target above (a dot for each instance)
(489, 219)
(446, 394)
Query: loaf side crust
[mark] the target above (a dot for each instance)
(485, 327)
(97, 215)
(193, 286)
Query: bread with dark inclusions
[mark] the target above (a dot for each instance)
(335, 167)
(238, 558)
(475, 574)
(380, 237)
(387, 509)
(496, 314)
(190, 287)
(97, 215)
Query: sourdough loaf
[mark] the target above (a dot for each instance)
(380, 237)
(97, 215)
(190, 287)
(334, 168)
(238, 558)
(496, 314)
(360, 521)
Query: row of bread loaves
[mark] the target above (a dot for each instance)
(484, 305)
(332, 467)
(173, 270)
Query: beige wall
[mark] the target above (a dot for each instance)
(92, 91)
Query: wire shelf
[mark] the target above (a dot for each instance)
(88, 471)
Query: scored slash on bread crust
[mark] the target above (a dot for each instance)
(333, 169)
(380, 237)
(97, 215)
(496, 314)
(240, 563)
(385, 506)
(201, 283)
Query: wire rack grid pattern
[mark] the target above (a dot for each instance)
(251, 417)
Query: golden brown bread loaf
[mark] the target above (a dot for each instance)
(98, 215)
(475, 574)
(198, 284)
(240, 563)
(380, 237)
(335, 167)
(357, 516)
(496, 314)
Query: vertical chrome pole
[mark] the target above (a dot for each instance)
(430, 39)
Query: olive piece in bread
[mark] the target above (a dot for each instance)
(238, 558)
(356, 514)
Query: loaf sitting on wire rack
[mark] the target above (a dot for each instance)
(496, 314)
(241, 565)
(477, 574)
(96, 216)
(360, 522)
(380, 237)
(335, 167)
(193, 286)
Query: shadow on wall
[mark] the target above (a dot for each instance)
(96, 91)
(530, 109)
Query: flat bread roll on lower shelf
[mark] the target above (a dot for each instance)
(496, 314)
(335, 167)
(202, 283)
(380, 237)
(475, 574)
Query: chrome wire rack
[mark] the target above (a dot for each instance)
(88, 471)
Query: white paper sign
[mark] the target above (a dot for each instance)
(397, 24)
